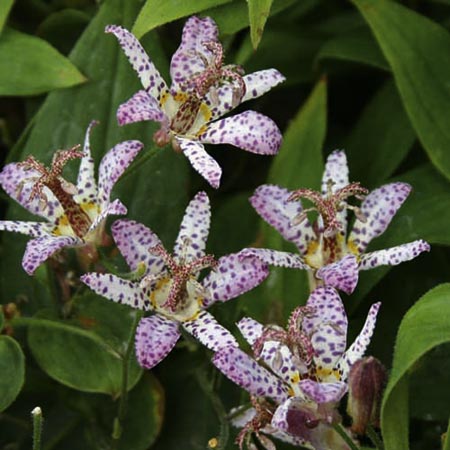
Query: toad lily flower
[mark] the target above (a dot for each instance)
(75, 214)
(168, 285)
(202, 91)
(295, 393)
(324, 248)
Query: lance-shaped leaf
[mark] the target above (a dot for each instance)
(5, 7)
(258, 12)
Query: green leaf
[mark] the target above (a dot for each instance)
(258, 12)
(378, 144)
(359, 47)
(34, 66)
(159, 12)
(446, 445)
(417, 51)
(5, 8)
(86, 351)
(424, 327)
(12, 368)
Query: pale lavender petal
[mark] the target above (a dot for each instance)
(232, 277)
(112, 166)
(142, 106)
(116, 208)
(271, 204)
(209, 332)
(18, 182)
(150, 78)
(248, 374)
(342, 274)
(191, 241)
(249, 131)
(256, 84)
(86, 184)
(155, 338)
(323, 392)
(34, 229)
(326, 326)
(191, 56)
(275, 257)
(201, 161)
(118, 290)
(359, 346)
(135, 241)
(250, 329)
(239, 420)
(394, 255)
(379, 207)
(40, 249)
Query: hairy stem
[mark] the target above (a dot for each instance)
(374, 437)
(37, 427)
(348, 440)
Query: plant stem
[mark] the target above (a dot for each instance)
(374, 437)
(37, 427)
(348, 440)
(122, 409)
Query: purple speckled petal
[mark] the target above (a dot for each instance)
(112, 166)
(327, 326)
(40, 249)
(336, 170)
(271, 204)
(190, 57)
(232, 277)
(116, 208)
(118, 290)
(394, 255)
(323, 392)
(18, 182)
(134, 241)
(275, 257)
(201, 161)
(359, 346)
(256, 84)
(86, 184)
(250, 329)
(150, 78)
(248, 374)
(342, 274)
(191, 241)
(249, 131)
(209, 332)
(379, 207)
(155, 338)
(33, 229)
(142, 106)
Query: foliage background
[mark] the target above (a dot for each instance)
(370, 76)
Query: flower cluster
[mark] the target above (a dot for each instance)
(296, 376)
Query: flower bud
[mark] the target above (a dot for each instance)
(366, 382)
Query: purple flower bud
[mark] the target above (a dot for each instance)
(366, 383)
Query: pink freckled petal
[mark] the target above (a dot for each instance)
(34, 229)
(342, 274)
(249, 131)
(323, 392)
(250, 329)
(142, 106)
(208, 331)
(275, 257)
(115, 208)
(155, 338)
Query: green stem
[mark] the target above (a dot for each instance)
(37, 427)
(374, 437)
(348, 440)
(122, 409)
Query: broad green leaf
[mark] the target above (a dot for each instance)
(159, 12)
(299, 163)
(424, 327)
(12, 369)
(233, 17)
(149, 194)
(417, 50)
(258, 12)
(86, 351)
(377, 144)
(33, 66)
(359, 47)
(5, 7)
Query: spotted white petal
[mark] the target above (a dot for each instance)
(275, 257)
(250, 329)
(323, 392)
(142, 106)
(342, 274)
(34, 229)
